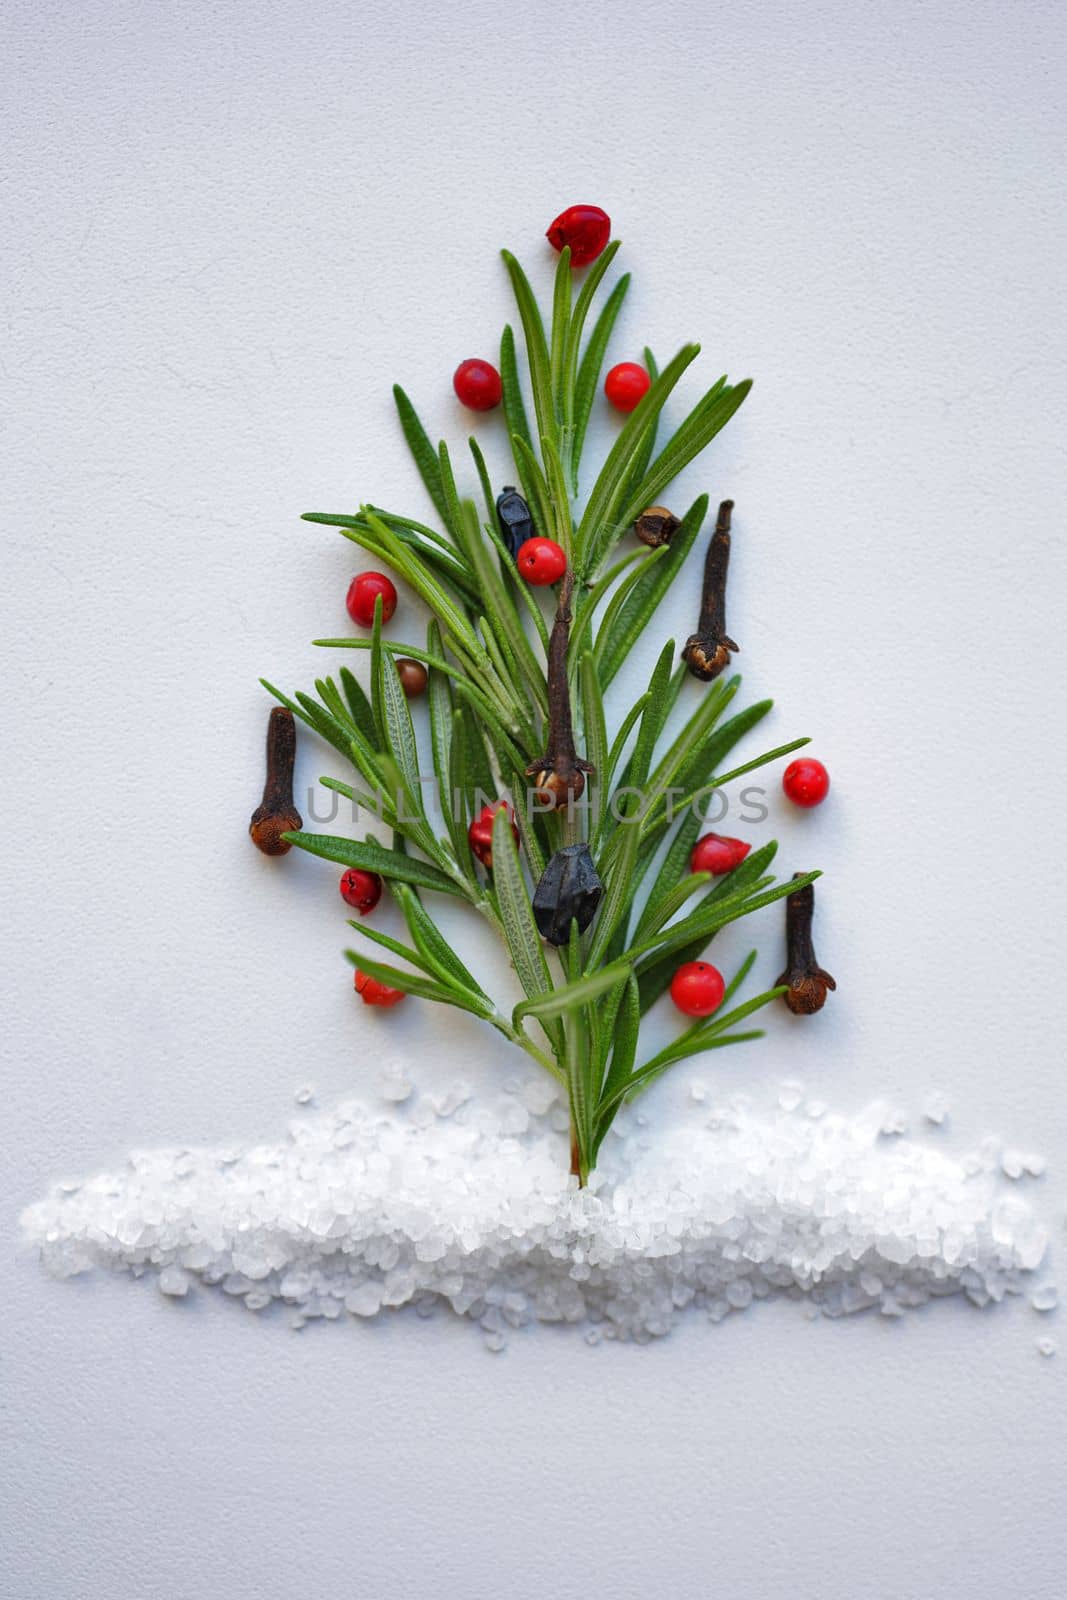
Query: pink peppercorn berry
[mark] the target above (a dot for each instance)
(477, 384)
(717, 854)
(541, 561)
(806, 782)
(375, 993)
(363, 591)
(360, 890)
(626, 385)
(586, 229)
(698, 989)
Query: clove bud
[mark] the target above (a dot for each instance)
(808, 983)
(656, 525)
(513, 515)
(569, 891)
(277, 814)
(560, 773)
(707, 651)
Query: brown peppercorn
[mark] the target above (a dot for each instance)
(413, 676)
(656, 525)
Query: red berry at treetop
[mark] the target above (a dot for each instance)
(374, 993)
(586, 229)
(477, 384)
(626, 385)
(480, 832)
(806, 782)
(363, 591)
(697, 989)
(541, 561)
(360, 890)
(715, 853)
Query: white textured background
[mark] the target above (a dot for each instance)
(228, 229)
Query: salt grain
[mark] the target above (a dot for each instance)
(1046, 1347)
(467, 1204)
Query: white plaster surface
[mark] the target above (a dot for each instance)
(228, 230)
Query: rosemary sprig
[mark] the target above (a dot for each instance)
(489, 699)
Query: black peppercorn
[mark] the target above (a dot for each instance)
(513, 515)
(569, 891)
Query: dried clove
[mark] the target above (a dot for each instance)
(560, 773)
(277, 814)
(569, 891)
(513, 515)
(707, 651)
(655, 526)
(808, 983)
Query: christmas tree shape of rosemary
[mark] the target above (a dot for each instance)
(489, 697)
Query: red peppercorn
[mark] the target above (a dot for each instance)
(715, 853)
(477, 384)
(697, 989)
(626, 385)
(541, 561)
(360, 890)
(806, 782)
(375, 993)
(480, 832)
(586, 229)
(363, 591)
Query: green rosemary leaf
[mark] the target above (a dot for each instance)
(639, 560)
(537, 352)
(625, 1048)
(534, 487)
(661, 912)
(440, 712)
(674, 869)
(424, 988)
(389, 864)
(601, 520)
(422, 450)
(437, 955)
(513, 900)
(360, 708)
(514, 406)
(720, 781)
(559, 501)
(614, 645)
(588, 375)
(325, 724)
(739, 976)
(519, 590)
(505, 621)
(618, 891)
(708, 919)
(701, 1037)
(448, 488)
(652, 719)
(572, 996)
(696, 432)
(471, 776)
(561, 311)
(582, 305)
(425, 585)
(648, 444)
(596, 738)
(484, 480)
(394, 946)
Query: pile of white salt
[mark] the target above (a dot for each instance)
(440, 1201)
